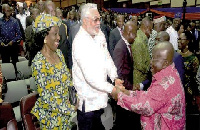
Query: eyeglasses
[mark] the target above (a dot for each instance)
(154, 60)
(179, 39)
(95, 20)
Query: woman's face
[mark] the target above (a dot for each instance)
(181, 29)
(182, 41)
(52, 39)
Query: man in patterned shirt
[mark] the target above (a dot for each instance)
(162, 106)
(159, 25)
(141, 57)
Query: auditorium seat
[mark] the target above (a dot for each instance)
(7, 117)
(29, 121)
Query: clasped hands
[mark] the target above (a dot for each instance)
(9, 44)
(118, 88)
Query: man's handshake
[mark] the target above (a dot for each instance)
(118, 88)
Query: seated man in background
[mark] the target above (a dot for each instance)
(162, 106)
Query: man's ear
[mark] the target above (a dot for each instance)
(165, 64)
(84, 21)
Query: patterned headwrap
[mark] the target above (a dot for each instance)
(45, 21)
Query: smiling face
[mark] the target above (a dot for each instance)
(182, 41)
(176, 23)
(92, 22)
(158, 61)
(52, 39)
(120, 21)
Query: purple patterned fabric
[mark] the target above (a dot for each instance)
(162, 106)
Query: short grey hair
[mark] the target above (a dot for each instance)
(85, 11)
(4, 6)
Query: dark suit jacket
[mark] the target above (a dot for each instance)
(64, 44)
(179, 64)
(106, 30)
(69, 23)
(113, 39)
(196, 40)
(124, 64)
(72, 33)
(29, 21)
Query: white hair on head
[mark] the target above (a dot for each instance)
(4, 6)
(86, 10)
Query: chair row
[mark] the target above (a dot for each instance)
(16, 90)
(8, 118)
(23, 70)
(20, 58)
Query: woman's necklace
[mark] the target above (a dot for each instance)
(184, 54)
(52, 59)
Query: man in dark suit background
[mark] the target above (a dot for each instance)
(74, 28)
(196, 37)
(115, 34)
(122, 57)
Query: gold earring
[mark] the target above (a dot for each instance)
(45, 41)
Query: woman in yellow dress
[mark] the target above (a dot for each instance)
(52, 77)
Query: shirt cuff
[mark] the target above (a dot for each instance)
(141, 86)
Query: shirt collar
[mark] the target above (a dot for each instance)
(125, 41)
(164, 72)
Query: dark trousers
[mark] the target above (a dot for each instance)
(10, 52)
(90, 120)
(126, 120)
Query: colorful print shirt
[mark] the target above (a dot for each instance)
(9, 30)
(52, 108)
(191, 64)
(162, 106)
(152, 41)
(141, 58)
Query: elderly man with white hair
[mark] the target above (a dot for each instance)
(92, 64)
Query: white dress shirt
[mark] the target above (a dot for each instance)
(22, 19)
(127, 44)
(173, 34)
(92, 64)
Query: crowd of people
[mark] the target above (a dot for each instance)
(147, 69)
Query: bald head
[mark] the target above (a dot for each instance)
(130, 30)
(162, 57)
(49, 8)
(162, 36)
(146, 21)
(164, 50)
(146, 26)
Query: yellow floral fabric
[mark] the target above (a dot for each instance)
(52, 108)
(141, 57)
(44, 21)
